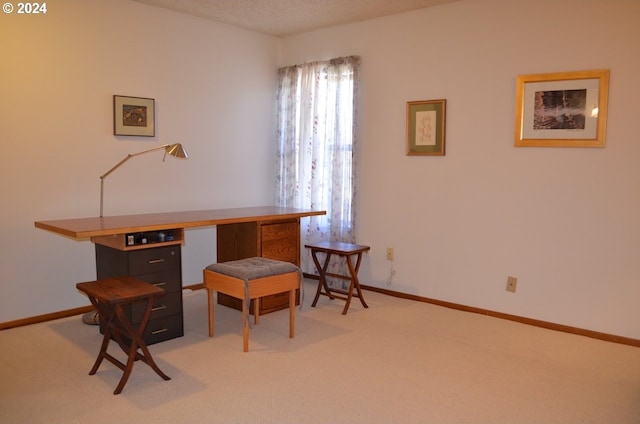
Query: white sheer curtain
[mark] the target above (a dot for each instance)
(316, 112)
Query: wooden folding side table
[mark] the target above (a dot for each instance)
(109, 296)
(346, 250)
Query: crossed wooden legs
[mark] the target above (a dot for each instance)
(346, 250)
(128, 338)
(109, 296)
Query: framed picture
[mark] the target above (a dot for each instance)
(565, 109)
(134, 116)
(425, 127)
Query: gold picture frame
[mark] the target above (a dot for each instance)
(563, 109)
(134, 116)
(426, 127)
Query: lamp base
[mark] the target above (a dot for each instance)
(91, 318)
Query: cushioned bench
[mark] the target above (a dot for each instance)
(250, 279)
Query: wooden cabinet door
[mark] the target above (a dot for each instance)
(281, 241)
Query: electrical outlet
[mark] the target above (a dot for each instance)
(389, 253)
(512, 283)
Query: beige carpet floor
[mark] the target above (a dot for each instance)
(399, 361)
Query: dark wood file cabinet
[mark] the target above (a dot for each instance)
(160, 266)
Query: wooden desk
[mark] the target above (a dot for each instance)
(265, 231)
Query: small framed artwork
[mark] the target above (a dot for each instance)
(426, 127)
(564, 109)
(134, 116)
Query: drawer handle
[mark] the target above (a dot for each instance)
(156, 261)
(159, 283)
(159, 308)
(162, 330)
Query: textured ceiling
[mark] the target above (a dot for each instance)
(287, 17)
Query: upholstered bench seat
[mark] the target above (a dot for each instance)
(252, 268)
(250, 279)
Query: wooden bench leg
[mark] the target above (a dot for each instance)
(245, 327)
(292, 313)
(210, 307)
(256, 310)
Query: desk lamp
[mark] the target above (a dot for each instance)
(176, 150)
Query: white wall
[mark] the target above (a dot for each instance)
(564, 221)
(214, 89)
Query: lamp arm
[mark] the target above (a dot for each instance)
(129, 156)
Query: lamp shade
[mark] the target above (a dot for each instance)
(176, 150)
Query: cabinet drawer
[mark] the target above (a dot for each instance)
(169, 280)
(163, 329)
(169, 304)
(154, 260)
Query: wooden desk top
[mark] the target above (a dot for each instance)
(80, 228)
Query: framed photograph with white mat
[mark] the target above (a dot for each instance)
(564, 109)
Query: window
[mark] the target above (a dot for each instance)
(316, 111)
